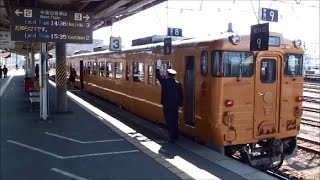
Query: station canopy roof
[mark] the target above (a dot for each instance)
(105, 13)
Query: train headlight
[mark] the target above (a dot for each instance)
(298, 43)
(235, 39)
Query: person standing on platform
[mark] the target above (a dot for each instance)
(171, 100)
(72, 77)
(0, 72)
(36, 71)
(5, 71)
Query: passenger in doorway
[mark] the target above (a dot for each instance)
(171, 100)
(36, 71)
(0, 72)
(5, 71)
(72, 78)
(101, 70)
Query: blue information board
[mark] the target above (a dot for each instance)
(45, 25)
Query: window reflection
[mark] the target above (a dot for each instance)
(232, 64)
(293, 65)
(268, 71)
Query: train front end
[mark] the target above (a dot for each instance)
(260, 100)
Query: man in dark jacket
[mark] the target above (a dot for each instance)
(36, 71)
(171, 100)
(0, 72)
(5, 71)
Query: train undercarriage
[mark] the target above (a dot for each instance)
(264, 155)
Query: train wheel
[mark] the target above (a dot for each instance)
(277, 164)
(244, 155)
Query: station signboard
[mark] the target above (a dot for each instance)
(115, 44)
(45, 25)
(5, 40)
(167, 46)
(174, 32)
(259, 37)
(269, 15)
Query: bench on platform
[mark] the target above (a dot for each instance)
(34, 93)
(34, 102)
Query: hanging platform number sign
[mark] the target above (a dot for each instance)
(115, 44)
(269, 15)
(167, 46)
(174, 32)
(259, 37)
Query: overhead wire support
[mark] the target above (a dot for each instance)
(158, 18)
(255, 11)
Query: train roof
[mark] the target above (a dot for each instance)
(181, 42)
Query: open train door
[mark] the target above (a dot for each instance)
(267, 91)
(189, 92)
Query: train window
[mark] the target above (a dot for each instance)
(293, 65)
(138, 72)
(109, 73)
(268, 71)
(89, 67)
(204, 63)
(94, 69)
(118, 68)
(231, 64)
(150, 75)
(101, 68)
(163, 69)
(127, 72)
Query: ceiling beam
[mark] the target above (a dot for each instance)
(107, 11)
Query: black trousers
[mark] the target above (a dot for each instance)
(171, 117)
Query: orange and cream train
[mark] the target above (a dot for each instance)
(235, 100)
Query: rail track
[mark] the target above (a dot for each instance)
(308, 145)
(311, 99)
(310, 122)
(311, 109)
(277, 174)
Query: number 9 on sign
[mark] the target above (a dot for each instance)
(259, 42)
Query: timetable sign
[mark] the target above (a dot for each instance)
(45, 25)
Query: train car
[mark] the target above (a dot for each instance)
(312, 73)
(237, 101)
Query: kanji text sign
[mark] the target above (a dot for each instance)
(34, 24)
(5, 40)
(259, 37)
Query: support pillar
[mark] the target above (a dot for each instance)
(44, 100)
(32, 65)
(26, 64)
(61, 78)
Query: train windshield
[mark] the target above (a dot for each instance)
(231, 64)
(293, 65)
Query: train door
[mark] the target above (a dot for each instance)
(189, 88)
(267, 86)
(81, 75)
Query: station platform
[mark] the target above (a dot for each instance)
(87, 143)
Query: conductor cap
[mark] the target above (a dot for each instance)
(172, 71)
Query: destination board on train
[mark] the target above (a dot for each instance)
(45, 25)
